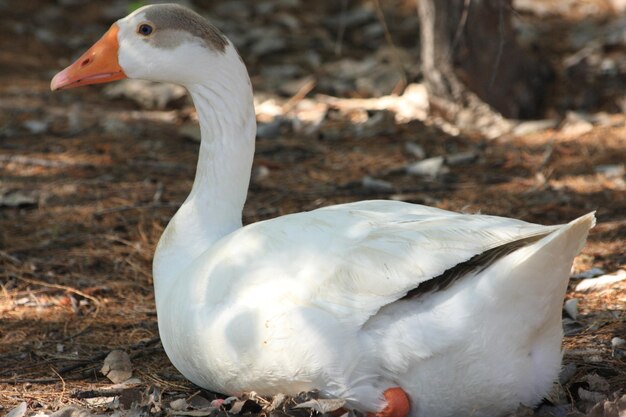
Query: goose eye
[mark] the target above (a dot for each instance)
(145, 29)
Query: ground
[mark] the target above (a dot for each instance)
(89, 182)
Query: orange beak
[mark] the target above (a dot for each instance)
(98, 65)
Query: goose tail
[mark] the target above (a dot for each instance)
(543, 267)
(569, 239)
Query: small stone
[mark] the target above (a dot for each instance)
(619, 348)
(17, 199)
(611, 171)
(571, 307)
(534, 126)
(259, 173)
(590, 273)
(576, 124)
(431, 167)
(461, 158)
(617, 342)
(601, 283)
(376, 185)
(415, 150)
(36, 127)
(268, 45)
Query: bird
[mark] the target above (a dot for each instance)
(399, 309)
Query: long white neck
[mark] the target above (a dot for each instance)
(214, 206)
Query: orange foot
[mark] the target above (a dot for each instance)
(398, 404)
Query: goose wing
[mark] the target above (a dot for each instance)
(352, 259)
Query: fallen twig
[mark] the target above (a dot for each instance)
(97, 393)
(306, 88)
(9, 257)
(84, 363)
(61, 287)
(60, 400)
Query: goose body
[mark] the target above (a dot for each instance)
(319, 300)
(460, 312)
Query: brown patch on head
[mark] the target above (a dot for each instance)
(173, 17)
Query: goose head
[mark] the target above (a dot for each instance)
(164, 42)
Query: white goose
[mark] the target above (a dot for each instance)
(397, 308)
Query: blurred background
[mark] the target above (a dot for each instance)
(507, 108)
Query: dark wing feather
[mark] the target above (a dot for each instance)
(477, 263)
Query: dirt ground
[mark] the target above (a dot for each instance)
(89, 183)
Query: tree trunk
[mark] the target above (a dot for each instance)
(470, 57)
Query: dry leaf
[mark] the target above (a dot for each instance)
(591, 396)
(323, 405)
(244, 406)
(597, 383)
(277, 401)
(117, 366)
(153, 399)
(180, 404)
(198, 402)
(607, 408)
